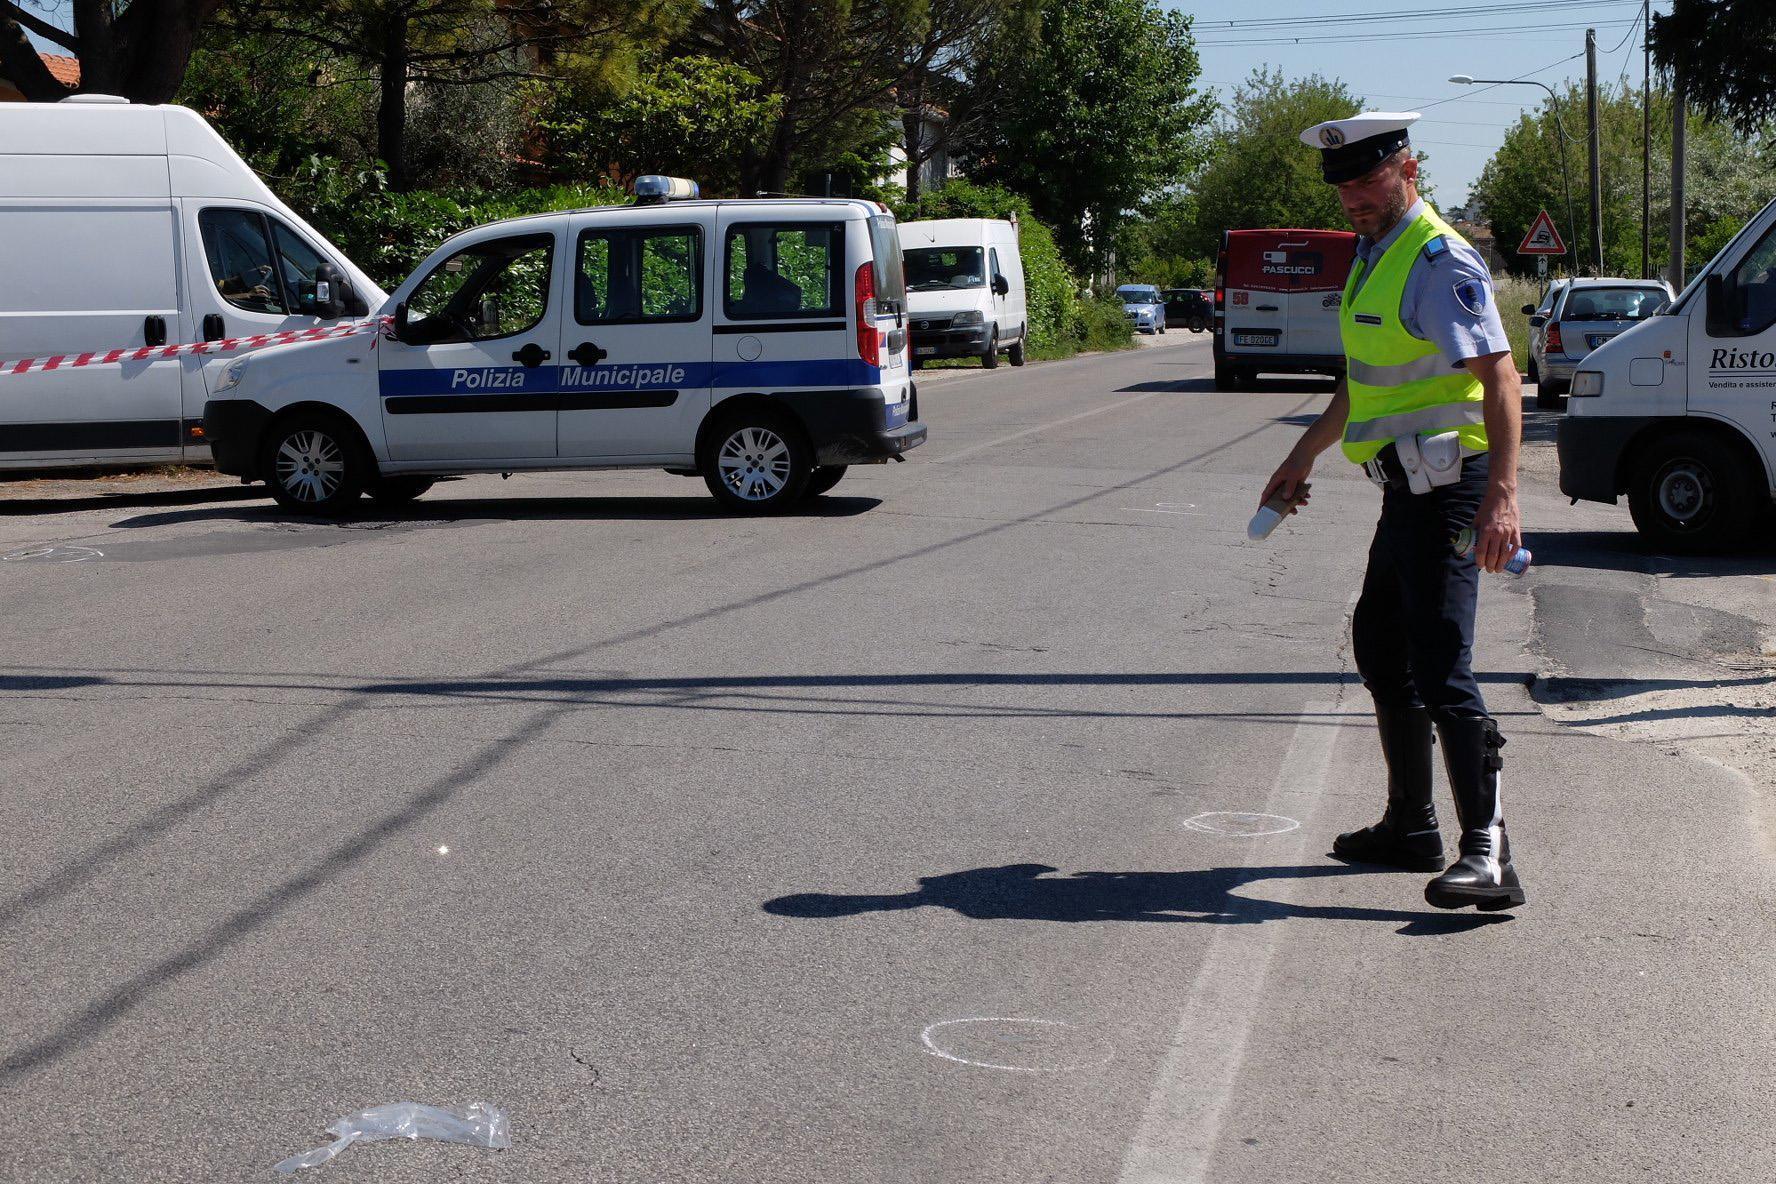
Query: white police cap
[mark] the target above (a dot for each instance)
(1351, 147)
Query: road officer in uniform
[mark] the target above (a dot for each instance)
(1430, 406)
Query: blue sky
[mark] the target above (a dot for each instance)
(1483, 39)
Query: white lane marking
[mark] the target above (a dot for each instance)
(1187, 509)
(928, 1038)
(974, 448)
(1175, 1143)
(1241, 825)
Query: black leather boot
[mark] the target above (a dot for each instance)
(1483, 876)
(1407, 836)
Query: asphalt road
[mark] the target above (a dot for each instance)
(971, 826)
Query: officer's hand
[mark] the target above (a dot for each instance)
(1289, 475)
(1496, 531)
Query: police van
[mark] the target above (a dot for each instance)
(1679, 411)
(1277, 295)
(760, 344)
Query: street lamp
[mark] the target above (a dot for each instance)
(1560, 131)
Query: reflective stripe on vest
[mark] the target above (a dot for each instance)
(1400, 384)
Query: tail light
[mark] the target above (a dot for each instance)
(869, 338)
(1552, 343)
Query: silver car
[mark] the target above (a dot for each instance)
(1145, 307)
(1584, 314)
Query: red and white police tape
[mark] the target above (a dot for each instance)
(160, 352)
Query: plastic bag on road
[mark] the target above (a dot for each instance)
(477, 1124)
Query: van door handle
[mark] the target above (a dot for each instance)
(1267, 308)
(154, 330)
(213, 327)
(587, 353)
(532, 355)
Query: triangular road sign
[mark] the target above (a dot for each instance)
(1542, 238)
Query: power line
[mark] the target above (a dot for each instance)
(1507, 82)
(1416, 14)
(1488, 32)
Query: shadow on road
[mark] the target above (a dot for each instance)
(22, 507)
(1025, 892)
(1604, 550)
(516, 509)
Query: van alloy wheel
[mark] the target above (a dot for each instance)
(310, 466)
(754, 464)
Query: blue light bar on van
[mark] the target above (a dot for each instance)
(653, 188)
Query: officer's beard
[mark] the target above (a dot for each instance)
(1398, 203)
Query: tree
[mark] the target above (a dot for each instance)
(934, 93)
(1260, 173)
(411, 46)
(685, 116)
(135, 48)
(1726, 52)
(832, 64)
(1096, 111)
(1730, 177)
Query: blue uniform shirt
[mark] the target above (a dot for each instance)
(1449, 300)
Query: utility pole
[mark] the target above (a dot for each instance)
(1676, 272)
(1596, 165)
(1646, 141)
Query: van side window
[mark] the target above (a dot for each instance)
(300, 263)
(240, 260)
(784, 270)
(636, 276)
(1752, 289)
(493, 289)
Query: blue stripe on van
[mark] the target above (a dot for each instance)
(629, 376)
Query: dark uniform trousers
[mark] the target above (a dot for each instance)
(1413, 631)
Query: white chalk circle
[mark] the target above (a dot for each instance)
(52, 554)
(1015, 1044)
(1241, 826)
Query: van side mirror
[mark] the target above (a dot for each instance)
(1537, 322)
(1001, 285)
(400, 333)
(1529, 310)
(329, 302)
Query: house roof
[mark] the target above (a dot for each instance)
(65, 69)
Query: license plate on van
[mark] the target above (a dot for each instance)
(1254, 338)
(924, 351)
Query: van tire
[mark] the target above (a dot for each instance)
(314, 437)
(745, 487)
(990, 359)
(395, 491)
(1223, 376)
(1015, 355)
(1692, 493)
(824, 478)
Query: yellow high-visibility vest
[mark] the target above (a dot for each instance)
(1400, 384)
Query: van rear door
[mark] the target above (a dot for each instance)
(88, 278)
(1314, 266)
(1257, 317)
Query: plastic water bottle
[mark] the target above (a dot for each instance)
(1516, 565)
(1271, 514)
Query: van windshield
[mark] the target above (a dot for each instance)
(1613, 304)
(932, 269)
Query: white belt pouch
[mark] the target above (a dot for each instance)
(1430, 461)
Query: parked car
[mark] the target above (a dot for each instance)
(1145, 307)
(1188, 308)
(1585, 314)
(965, 290)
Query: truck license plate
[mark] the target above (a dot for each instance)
(922, 351)
(1254, 338)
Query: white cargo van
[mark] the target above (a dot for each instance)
(123, 226)
(1277, 295)
(760, 344)
(1679, 412)
(965, 289)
